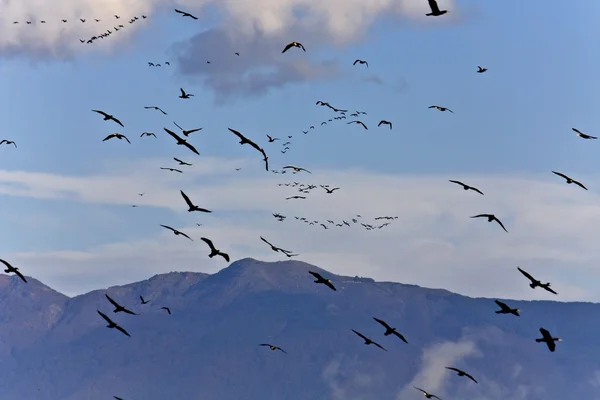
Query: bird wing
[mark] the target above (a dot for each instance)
(183, 234)
(385, 325)
(476, 190)
(580, 184)
(458, 183)
(470, 377)
(380, 346)
(454, 369)
(168, 227)
(182, 91)
(101, 112)
(527, 275)
(364, 126)
(361, 335)
(501, 224)
(209, 243)
(105, 317)
(187, 199)
(177, 125)
(545, 334)
(125, 137)
(112, 135)
(120, 329)
(561, 175)
(20, 275)
(266, 241)
(546, 288)
(327, 283)
(289, 46)
(265, 159)
(401, 336)
(126, 311)
(179, 11)
(224, 255)
(192, 148)
(315, 274)
(480, 215)
(354, 63)
(7, 264)
(280, 349)
(193, 130)
(142, 299)
(419, 389)
(173, 134)
(501, 305)
(551, 345)
(177, 159)
(114, 303)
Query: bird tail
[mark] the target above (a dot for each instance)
(212, 254)
(539, 340)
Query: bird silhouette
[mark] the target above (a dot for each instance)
(535, 283)
(118, 307)
(569, 180)
(112, 324)
(505, 309)
(10, 268)
(272, 347)
(490, 217)
(435, 9)
(5, 141)
(368, 341)
(583, 135)
(467, 187)
(176, 232)
(191, 205)
(117, 136)
(548, 339)
(320, 279)
(213, 250)
(181, 141)
(462, 373)
(293, 44)
(185, 95)
(361, 62)
(389, 330)
(167, 309)
(108, 117)
(185, 14)
(427, 395)
(481, 70)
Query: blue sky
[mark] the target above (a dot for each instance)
(512, 122)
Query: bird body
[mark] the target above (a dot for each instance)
(490, 218)
(548, 339)
(293, 44)
(435, 9)
(213, 250)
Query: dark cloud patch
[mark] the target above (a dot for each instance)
(259, 67)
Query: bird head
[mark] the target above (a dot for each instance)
(558, 339)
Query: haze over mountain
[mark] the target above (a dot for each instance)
(56, 347)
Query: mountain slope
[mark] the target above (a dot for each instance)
(208, 348)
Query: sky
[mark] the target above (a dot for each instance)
(67, 196)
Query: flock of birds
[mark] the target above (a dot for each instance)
(182, 140)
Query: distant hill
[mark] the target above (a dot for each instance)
(58, 348)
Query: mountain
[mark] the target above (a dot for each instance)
(58, 348)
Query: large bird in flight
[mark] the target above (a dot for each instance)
(108, 117)
(490, 217)
(361, 62)
(112, 324)
(427, 394)
(548, 339)
(181, 141)
(213, 250)
(368, 341)
(320, 279)
(441, 108)
(505, 309)
(275, 248)
(119, 136)
(583, 135)
(192, 206)
(245, 140)
(535, 283)
(185, 14)
(389, 330)
(272, 347)
(462, 373)
(118, 307)
(293, 44)
(176, 232)
(296, 169)
(185, 95)
(569, 180)
(435, 9)
(10, 268)
(467, 187)
(186, 132)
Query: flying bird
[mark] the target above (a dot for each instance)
(481, 70)
(180, 141)
(191, 205)
(569, 180)
(548, 339)
(583, 135)
(113, 325)
(329, 191)
(467, 187)
(118, 307)
(427, 395)
(435, 9)
(320, 279)
(293, 44)
(172, 169)
(185, 14)
(245, 140)
(505, 309)
(359, 123)
(441, 108)
(295, 197)
(384, 122)
(116, 135)
(490, 217)
(144, 301)
(368, 341)
(462, 373)
(273, 348)
(275, 248)
(272, 139)
(535, 283)
(361, 62)
(390, 331)
(187, 132)
(167, 309)
(181, 162)
(10, 268)
(147, 134)
(296, 169)
(176, 232)
(108, 117)
(185, 95)
(5, 141)
(156, 108)
(213, 250)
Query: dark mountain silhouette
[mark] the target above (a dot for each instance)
(58, 348)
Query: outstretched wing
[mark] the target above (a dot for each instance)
(209, 243)
(266, 241)
(187, 199)
(110, 322)
(168, 227)
(173, 134)
(527, 275)
(361, 335)
(385, 325)
(114, 303)
(20, 275)
(315, 274)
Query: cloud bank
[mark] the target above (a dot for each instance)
(433, 242)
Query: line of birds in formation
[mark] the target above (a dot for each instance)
(546, 338)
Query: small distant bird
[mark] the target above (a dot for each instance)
(435, 11)
(293, 44)
(275, 248)
(192, 206)
(583, 135)
(116, 135)
(181, 162)
(147, 134)
(389, 330)
(236, 53)
(176, 232)
(490, 217)
(272, 139)
(213, 250)
(548, 339)
(368, 341)
(156, 108)
(187, 132)
(108, 117)
(296, 169)
(535, 283)
(295, 197)
(113, 325)
(329, 191)
(359, 123)
(181, 141)
(10, 268)
(185, 95)
(481, 70)
(320, 279)
(505, 309)
(569, 180)
(467, 187)
(166, 308)
(144, 301)
(427, 395)
(185, 14)
(4, 141)
(272, 348)
(462, 373)
(172, 169)
(118, 307)
(441, 108)
(384, 122)
(361, 62)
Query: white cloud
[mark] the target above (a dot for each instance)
(342, 19)
(433, 243)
